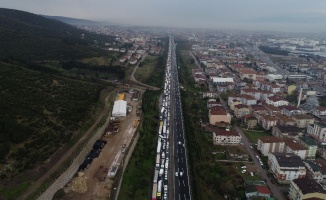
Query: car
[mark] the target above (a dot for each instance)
(243, 167)
(165, 188)
(252, 174)
(176, 174)
(181, 174)
(243, 171)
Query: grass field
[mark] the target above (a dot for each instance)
(143, 73)
(96, 61)
(254, 135)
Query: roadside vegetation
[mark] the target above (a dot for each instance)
(151, 70)
(209, 179)
(138, 177)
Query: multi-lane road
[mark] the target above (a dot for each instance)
(181, 175)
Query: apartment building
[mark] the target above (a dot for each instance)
(223, 137)
(306, 188)
(286, 166)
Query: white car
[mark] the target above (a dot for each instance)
(176, 174)
(165, 188)
(181, 174)
(243, 167)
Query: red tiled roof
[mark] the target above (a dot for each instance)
(250, 90)
(263, 189)
(320, 108)
(226, 133)
(270, 139)
(218, 110)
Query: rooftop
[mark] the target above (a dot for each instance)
(270, 139)
(314, 166)
(288, 129)
(288, 160)
(304, 116)
(308, 140)
(218, 110)
(225, 133)
(308, 185)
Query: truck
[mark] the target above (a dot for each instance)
(160, 130)
(158, 146)
(155, 176)
(158, 157)
(154, 193)
(159, 189)
(161, 172)
(164, 129)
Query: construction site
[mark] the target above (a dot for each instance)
(97, 176)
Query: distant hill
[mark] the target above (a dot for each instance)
(28, 36)
(78, 22)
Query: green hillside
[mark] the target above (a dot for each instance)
(27, 36)
(50, 92)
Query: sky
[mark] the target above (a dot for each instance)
(276, 15)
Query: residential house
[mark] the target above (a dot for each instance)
(234, 103)
(199, 78)
(257, 110)
(241, 110)
(257, 191)
(286, 166)
(276, 101)
(322, 164)
(284, 120)
(211, 104)
(223, 137)
(266, 121)
(250, 121)
(247, 73)
(252, 92)
(270, 144)
(302, 121)
(311, 146)
(291, 110)
(321, 150)
(319, 111)
(313, 170)
(265, 94)
(274, 88)
(219, 116)
(292, 146)
(272, 110)
(247, 99)
(210, 94)
(306, 188)
(287, 131)
(260, 76)
(318, 131)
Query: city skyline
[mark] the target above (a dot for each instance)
(277, 15)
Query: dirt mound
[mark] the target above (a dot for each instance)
(79, 184)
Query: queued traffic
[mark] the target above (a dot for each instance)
(160, 182)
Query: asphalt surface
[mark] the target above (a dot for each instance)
(181, 177)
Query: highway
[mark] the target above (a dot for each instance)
(181, 175)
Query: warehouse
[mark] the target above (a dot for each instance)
(119, 109)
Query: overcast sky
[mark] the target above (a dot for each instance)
(278, 15)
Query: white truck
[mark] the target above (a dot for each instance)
(161, 172)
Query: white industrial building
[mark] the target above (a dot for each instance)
(119, 109)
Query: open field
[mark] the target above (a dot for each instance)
(254, 135)
(146, 69)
